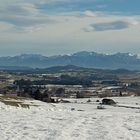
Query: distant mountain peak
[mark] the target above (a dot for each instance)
(85, 53)
(31, 55)
(81, 59)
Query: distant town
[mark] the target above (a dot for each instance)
(69, 82)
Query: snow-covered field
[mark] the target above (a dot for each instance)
(71, 121)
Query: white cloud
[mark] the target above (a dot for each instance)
(90, 14)
(24, 24)
(23, 15)
(22, 9)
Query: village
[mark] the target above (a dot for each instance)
(67, 84)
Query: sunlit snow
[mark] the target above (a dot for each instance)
(78, 120)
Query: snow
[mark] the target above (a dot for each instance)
(112, 87)
(78, 120)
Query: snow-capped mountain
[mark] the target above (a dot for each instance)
(82, 59)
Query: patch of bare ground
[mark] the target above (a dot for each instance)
(15, 101)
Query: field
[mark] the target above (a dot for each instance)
(78, 120)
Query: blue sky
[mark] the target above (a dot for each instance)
(125, 6)
(52, 27)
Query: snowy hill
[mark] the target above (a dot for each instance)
(77, 120)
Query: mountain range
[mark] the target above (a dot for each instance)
(81, 59)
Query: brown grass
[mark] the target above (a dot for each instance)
(14, 101)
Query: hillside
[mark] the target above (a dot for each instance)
(71, 121)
